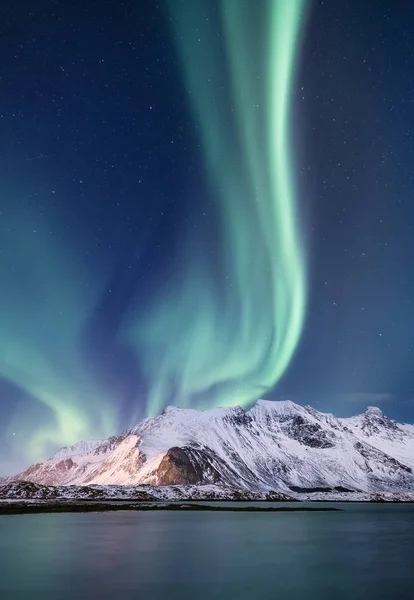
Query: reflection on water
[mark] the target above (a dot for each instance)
(365, 552)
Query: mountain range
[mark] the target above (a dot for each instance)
(273, 446)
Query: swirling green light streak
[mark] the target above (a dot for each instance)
(201, 344)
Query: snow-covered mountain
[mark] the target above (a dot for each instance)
(273, 446)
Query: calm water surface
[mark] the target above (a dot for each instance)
(365, 552)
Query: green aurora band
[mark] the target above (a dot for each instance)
(205, 343)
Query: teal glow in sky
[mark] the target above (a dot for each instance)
(44, 310)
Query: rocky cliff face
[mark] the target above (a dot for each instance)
(274, 445)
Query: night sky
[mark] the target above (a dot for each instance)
(202, 202)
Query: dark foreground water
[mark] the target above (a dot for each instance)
(365, 552)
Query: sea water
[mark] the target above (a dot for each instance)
(364, 552)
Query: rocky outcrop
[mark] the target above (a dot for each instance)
(177, 468)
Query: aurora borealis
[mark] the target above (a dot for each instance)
(202, 203)
(227, 346)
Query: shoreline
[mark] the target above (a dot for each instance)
(27, 493)
(18, 508)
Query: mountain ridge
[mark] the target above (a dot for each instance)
(275, 445)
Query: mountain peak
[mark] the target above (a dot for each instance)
(279, 406)
(374, 411)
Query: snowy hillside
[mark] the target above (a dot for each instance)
(273, 446)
